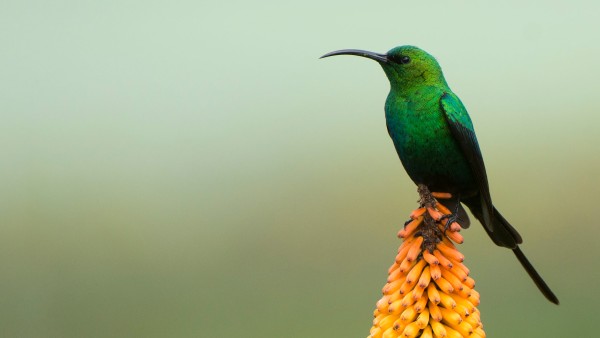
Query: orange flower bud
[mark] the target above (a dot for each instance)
(429, 292)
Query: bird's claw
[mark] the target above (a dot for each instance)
(451, 218)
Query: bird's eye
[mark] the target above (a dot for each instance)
(404, 59)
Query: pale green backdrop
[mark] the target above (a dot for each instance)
(192, 169)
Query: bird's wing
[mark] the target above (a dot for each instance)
(462, 129)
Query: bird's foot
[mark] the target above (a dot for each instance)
(452, 217)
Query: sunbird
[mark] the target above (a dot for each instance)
(435, 140)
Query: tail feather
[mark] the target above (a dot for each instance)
(500, 220)
(504, 234)
(537, 279)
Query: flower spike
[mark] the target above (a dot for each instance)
(429, 292)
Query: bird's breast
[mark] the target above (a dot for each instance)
(425, 145)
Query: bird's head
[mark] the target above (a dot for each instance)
(405, 66)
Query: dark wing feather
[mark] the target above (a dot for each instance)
(501, 232)
(462, 129)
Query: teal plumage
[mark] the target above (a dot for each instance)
(424, 142)
(436, 142)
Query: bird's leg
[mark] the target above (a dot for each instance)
(453, 217)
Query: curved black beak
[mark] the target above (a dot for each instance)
(364, 53)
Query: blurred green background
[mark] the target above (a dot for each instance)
(192, 169)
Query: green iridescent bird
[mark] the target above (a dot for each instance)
(435, 140)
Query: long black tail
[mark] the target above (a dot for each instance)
(537, 279)
(507, 236)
